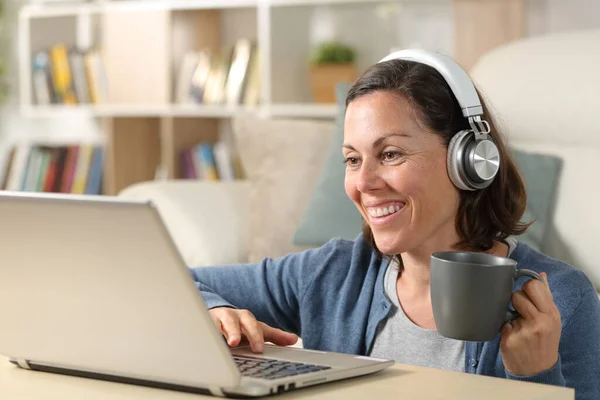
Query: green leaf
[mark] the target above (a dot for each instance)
(333, 53)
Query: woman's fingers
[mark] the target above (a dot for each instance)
(253, 331)
(523, 305)
(230, 326)
(240, 326)
(277, 336)
(539, 294)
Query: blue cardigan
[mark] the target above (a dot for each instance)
(333, 297)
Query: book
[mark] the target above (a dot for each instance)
(197, 85)
(80, 82)
(62, 82)
(205, 154)
(223, 160)
(238, 72)
(82, 168)
(41, 79)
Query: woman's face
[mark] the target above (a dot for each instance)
(396, 175)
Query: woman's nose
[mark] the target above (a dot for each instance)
(368, 178)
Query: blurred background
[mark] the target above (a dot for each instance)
(99, 95)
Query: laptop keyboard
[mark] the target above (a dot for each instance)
(267, 368)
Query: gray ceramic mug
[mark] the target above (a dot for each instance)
(471, 292)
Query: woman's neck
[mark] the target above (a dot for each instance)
(415, 264)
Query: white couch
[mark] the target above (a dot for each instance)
(546, 91)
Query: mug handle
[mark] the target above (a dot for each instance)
(512, 314)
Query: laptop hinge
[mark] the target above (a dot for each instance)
(216, 391)
(21, 362)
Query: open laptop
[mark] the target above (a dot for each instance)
(94, 286)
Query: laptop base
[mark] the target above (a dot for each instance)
(135, 381)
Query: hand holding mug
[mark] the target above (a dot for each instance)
(529, 343)
(470, 295)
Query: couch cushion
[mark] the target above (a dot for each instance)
(573, 231)
(540, 173)
(208, 221)
(330, 213)
(282, 159)
(545, 88)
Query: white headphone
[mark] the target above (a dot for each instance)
(473, 158)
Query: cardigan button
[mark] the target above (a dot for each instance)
(473, 362)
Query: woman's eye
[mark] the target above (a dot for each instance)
(390, 155)
(351, 160)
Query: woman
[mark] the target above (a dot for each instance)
(371, 296)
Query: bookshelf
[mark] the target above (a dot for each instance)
(144, 43)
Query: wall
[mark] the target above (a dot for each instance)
(560, 15)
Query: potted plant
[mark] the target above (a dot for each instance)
(331, 63)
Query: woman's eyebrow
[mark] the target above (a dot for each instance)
(398, 134)
(379, 140)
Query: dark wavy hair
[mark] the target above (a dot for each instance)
(483, 216)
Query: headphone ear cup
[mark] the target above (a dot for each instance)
(481, 161)
(455, 160)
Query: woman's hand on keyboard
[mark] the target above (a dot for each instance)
(240, 327)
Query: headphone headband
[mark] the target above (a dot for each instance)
(455, 76)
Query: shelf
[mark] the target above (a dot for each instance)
(207, 111)
(284, 3)
(45, 139)
(50, 10)
(75, 8)
(325, 111)
(183, 110)
(214, 111)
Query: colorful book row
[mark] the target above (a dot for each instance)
(210, 161)
(230, 76)
(64, 75)
(61, 169)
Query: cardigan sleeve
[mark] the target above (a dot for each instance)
(272, 289)
(578, 366)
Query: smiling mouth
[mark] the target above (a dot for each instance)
(377, 212)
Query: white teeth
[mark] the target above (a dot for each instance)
(380, 212)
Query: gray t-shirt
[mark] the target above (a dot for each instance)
(399, 339)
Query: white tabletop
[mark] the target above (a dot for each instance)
(400, 382)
